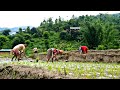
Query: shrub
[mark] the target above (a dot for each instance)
(100, 47)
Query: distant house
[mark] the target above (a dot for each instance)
(73, 29)
(5, 51)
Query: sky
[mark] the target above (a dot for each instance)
(34, 18)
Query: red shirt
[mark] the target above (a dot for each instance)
(55, 51)
(16, 52)
(84, 49)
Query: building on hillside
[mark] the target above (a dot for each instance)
(5, 51)
(73, 29)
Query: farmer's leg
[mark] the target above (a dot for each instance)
(52, 58)
(55, 58)
(19, 57)
(20, 54)
(12, 58)
(49, 54)
(48, 59)
(15, 57)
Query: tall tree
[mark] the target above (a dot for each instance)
(3, 40)
(6, 32)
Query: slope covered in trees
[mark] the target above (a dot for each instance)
(97, 32)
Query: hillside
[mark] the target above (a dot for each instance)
(99, 32)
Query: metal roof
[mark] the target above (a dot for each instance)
(5, 50)
(74, 27)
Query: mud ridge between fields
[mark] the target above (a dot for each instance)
(26, 72)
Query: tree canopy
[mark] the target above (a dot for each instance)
(97, 32)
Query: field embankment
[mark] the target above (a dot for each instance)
(91, 56)
(27, 72)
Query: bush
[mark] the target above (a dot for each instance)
(27, 42)
(100, 47)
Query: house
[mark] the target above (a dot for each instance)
(75, 29)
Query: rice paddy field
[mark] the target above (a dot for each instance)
(97, 64)
(71, 70)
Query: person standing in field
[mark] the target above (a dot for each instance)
(52, 52)
(83, 49)
(18, 50)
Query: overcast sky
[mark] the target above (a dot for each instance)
(34, 18)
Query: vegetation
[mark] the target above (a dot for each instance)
(97, 32)
(77, 70)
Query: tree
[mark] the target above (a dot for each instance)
(27, 42)
(46, 35)
(111, 36)
(63, 35)
(20, 30)
(27, 36)
(3, 40)
(28, 30)
(93, 35)
(6, 32)
(47, 44)
(33, 30)
(18, 40)
(50, 24)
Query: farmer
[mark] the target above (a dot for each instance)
(16, 54)
(52, 52)
(83, 49)
(18, 50)
(35, 50)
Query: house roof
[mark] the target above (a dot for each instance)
(5, 50)
(74, 27)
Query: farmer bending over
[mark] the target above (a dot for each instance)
(35, 50)
(52, 52)
(18, 50)
(83, 49)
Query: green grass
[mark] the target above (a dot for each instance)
(5, 55)
(86, 70)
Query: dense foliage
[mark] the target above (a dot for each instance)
(97, 32)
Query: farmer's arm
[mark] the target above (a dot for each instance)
(54, 56)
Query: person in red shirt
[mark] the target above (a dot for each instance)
(52, 52)
(83, 49)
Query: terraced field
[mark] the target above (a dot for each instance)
(102, 64)
(59, 70)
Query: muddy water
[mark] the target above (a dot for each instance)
(7, 60)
